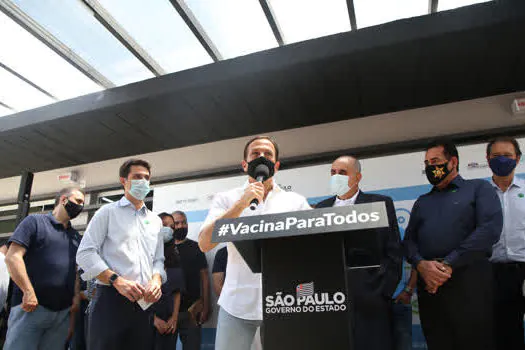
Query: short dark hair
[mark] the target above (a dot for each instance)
(179, 213)
(262, 137)
(166, 215)
(126, 167)
(449, 149)
(508, 139)
(67, 191)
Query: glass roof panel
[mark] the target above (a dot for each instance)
(301, 20)
(75, 25)
(5, 111)
(18, 94)
(236, 27)
(31, 58)
(162, 33)
(444, 5)
(374, 12)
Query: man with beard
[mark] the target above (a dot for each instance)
(195, 300)
(240, 302)
(449, 241)
(41, 262)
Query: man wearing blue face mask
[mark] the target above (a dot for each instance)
(508, 255)
(124, 249)
(372, 289)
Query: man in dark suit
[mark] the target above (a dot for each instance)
(371, 288)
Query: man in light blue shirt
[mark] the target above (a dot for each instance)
(123, 249)
(508, 255)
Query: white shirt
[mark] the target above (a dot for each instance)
(125, 240)
(344, 202)
(4, 281)
(241, 295)
(511, 245)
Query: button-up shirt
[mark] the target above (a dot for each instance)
(241, 295)
(458, 224)
(511, 245)
(125, 240)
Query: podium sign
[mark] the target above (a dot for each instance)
(302, 257)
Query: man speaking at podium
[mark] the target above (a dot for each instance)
(241, 298)
(371, 288)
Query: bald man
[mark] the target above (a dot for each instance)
(371, 288)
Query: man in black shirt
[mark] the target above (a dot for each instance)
(218, 273)
(449, 241)
(194, 306)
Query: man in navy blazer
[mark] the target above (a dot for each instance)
(371, 288)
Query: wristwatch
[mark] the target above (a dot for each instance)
(113, 278)
(408, 290)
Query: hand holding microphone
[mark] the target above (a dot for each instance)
(260, 169)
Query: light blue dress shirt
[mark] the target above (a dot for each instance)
(125, 240)
(511, 245)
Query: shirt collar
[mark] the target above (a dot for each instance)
(516, 182)
(349, 200)
(275, 189)
(454, 184)
(55, 222)
(124, 202)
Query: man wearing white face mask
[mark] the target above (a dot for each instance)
(124, 249)
(371, 288)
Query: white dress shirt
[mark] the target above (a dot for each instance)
(241, 295)
(344, 202)
(4, 281)
(511, 245)
(125, 240)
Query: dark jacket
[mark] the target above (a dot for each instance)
(378, 281)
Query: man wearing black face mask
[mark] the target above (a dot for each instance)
(240, 314)
(449, 241)
(41, 262)
(508, 256)
(195, 300)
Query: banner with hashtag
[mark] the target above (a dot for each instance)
(356, 217)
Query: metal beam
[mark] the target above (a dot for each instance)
(21, 77)
(196, 28)
(432, 6)
(111, 24)
(26, 22)
(351, 14)
(7, 106)
(272, 21)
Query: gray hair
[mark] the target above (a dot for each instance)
(357, 163)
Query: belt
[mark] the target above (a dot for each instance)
(511, 264)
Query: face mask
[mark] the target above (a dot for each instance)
(436, 173)
(339, 184)
(180, 233)
(73, 209)
(252, 167)
(139, 189)
(502, 166)
(167, 233)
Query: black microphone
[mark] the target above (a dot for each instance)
(262, 173)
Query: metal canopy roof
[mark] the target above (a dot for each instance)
(443, 57)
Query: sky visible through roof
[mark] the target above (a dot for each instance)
(32, 74)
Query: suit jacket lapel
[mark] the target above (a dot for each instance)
(360, 198)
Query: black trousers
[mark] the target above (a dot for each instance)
(509, 305)
(460, 315)
(372, 323)
(115, 323)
